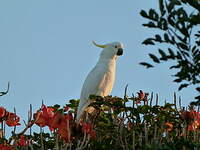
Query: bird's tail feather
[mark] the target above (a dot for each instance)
(80, 111)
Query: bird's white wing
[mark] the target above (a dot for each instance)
(98, 82)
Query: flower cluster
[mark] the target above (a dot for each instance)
(11, 119)
(116, 124)
(55, 120)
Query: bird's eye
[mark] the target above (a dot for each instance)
(115, 46)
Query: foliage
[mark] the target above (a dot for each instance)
(136, 122)
(179, 30)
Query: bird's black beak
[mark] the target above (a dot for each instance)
(120, 51)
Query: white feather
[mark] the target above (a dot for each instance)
(100, 80)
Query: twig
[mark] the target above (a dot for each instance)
(4, 93)
(156, 99)
(180, 106)
(133, 140)
(41, 138)
(151, 99)
(14, 130)
(175, 101)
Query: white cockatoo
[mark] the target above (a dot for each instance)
(101, 78)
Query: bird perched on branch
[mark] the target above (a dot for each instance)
(101, 78)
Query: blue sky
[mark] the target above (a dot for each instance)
(46, 50)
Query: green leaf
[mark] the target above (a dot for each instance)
(171, 53)
(147, 65)
(171, 20)
(184, 31)
(178, 56)
(161, 6)
(198, 89)
(150, 25)
(154, 58)
(163, 55)
(177, 80)
(158, 38)
(166, 37)
(170, 7)
(175, 66)
(148, 42)
(143, 14)
(153, 15)
(176, 2)
(162, 24)
(182, 86)
(183, 46)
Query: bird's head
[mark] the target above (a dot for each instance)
(111, 50)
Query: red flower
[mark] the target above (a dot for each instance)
(88, 129)
(12, 120)
(66, 108)
(2, 112)
(142, 96)
(43, 117)
(55, 121)
(64, 130)
(5, 147)
(47, 112)
(192, 117)
(22, 141)
(61, 122)
(39, 119)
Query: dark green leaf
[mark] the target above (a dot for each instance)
(184, 31)
(198, 97)
(171, 53)
(171, 20)
(150, 25)
(158, 38)
(198, 89)
(146, 64)
(182, 86)
(154, 58)
(148, 42)
(163, 55)
(143, 14)
(162, 24)
(175, 67)
(183, 46)
(153, 15)
(178, 56)
(170, 6)
(166, 37)
(161, 6)
(178, 80)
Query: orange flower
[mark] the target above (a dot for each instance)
(169, 126)
(12, 120)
